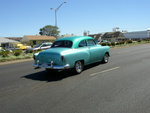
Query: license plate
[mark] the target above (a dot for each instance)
(44, 65)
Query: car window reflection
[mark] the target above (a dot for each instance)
(91, 42)
(66, 44)
(82, 43)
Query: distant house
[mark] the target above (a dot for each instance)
(14, 38)
(7, 42)
(96, 36)
(36, 39)
(113, 36)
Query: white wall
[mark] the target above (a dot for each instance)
(136, 35)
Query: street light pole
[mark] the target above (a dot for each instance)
(56, 10)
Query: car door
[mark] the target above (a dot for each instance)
(94, 51)
(85, 51)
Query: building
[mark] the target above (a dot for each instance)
(15, 38)
(85, 33)
(96, 36)
(7, 42)
(36, 39)
(115, 29)
(113, 36)
(137, 35)
(117, 36)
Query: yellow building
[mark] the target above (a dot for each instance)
(37, 39)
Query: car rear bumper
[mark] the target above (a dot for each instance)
(45, 66)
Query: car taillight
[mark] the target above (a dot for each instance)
(62, 58)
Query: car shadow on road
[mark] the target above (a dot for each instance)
(50, 76)
(56, 76)
(93, 65)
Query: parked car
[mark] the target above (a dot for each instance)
(102, 41)
(71, 53)
(42, 46)
(21, 46)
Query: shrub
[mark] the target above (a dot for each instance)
(147, 40)
(129, 41)
(122, 42)
(113, 43)
(117, 43)
(108, 44)
(39, 50)
(139, 41)
(31, 51)
(103, 44)
(17, 52)
(4, 53)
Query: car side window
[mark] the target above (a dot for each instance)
(48, 44)
(91, 42)
(44, 45)
(82, 43)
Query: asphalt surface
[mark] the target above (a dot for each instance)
(120, 86)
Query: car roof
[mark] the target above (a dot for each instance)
(75, 39)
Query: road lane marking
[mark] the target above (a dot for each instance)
(105, 71)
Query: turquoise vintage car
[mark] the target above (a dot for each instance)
(71, 53)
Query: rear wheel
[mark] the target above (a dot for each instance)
(78, 67)
(105, 58)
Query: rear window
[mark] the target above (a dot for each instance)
(63, 43)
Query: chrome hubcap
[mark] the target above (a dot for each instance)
(106, 58)
(79, 66)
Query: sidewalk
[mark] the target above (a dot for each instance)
(16, 61)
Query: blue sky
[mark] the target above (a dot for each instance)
(26, 17)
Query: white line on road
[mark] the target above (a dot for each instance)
(104, 71)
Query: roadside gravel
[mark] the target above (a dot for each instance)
(16, 61)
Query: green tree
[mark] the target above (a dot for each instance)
(49, 30)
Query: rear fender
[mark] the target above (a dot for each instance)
(83, 56)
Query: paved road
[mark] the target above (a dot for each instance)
(121, 86)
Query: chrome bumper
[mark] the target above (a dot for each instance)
(45, 66)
